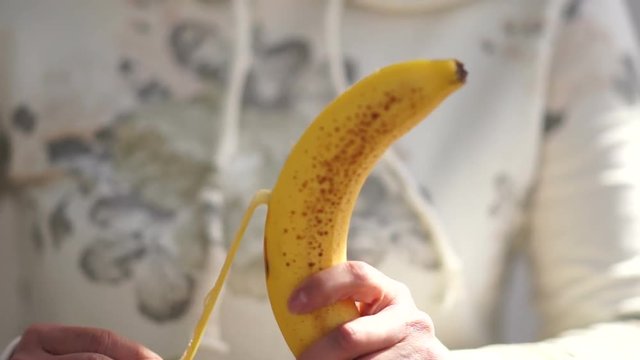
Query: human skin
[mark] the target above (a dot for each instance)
(392, 327)
(60, 342)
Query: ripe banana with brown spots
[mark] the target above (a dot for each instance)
(310, 206)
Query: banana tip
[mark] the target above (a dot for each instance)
(461, 71)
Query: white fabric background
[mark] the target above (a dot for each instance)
(519, 320)
(517, 326)
(634, 7)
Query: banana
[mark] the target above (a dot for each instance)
(311, 203)
(310, 206)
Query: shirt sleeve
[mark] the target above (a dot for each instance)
(585, 222)
(585, 215)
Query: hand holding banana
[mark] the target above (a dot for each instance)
(309, 210)
(390, 327)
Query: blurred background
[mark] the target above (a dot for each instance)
(517, 326)
(634, 7)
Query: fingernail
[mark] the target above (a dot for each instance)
(298, 302)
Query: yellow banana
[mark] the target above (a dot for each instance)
(312, 201)
(310, 206)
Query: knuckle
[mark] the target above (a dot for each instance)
(359, 270)
(419, 323)
(100, 340)
(34, 331)
(345, 337)
(402, 289)
(399, 293)
(138, 353)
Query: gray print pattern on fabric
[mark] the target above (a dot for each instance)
(126, 66)
(130, 192)
(488, 46)
(211, 2)
(67, 149)
(167, 291)
(572, 9)
(505, 195)
(426, 194)
(127, 208)
(5, 156)
(111, 260)
(199, 47)
(516, 38)
(23, 119)
(627, 82)
(37, 238)
(146, 159)
(60, 225)
(523, 28)
(153, 90)
(147, 3)
(275, 69)
(148, 90)
(552, 121)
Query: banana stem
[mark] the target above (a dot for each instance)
(261, 197)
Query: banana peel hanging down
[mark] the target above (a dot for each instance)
(310, 206)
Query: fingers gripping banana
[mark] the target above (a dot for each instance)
(310, 206)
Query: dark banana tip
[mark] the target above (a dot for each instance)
(461, 72)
